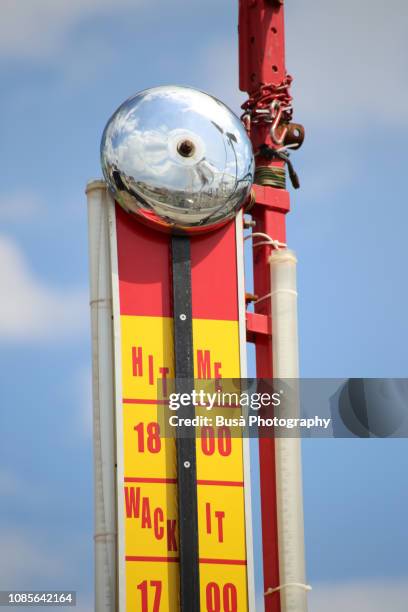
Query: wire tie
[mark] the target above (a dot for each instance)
(271, 590)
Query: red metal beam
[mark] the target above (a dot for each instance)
(257, 324)
(261, 43)
(262, 63)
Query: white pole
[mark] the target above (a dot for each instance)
(246, 442)
(285, 357)
(103, 398)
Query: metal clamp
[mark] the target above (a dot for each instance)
(276, 111)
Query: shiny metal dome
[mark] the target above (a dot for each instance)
(177, 157)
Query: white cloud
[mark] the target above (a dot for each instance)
(29, 309)
(27, 563)
(348, 59)
(83, 401)
(349, 62)
(368, 596)
(21, 207)
(24, 559)
(87, 60)
(16, 487)
(29, 559)
(219, 73)
(84, 606)
(36, 28)
(10, 484)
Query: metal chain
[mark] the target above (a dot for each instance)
(258, 106)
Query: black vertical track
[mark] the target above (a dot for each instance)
(186, 449)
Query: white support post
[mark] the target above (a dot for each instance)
(103, 398)
(285, 357)
(246, 442)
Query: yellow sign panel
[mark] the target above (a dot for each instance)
(152, 587)
(150, 473)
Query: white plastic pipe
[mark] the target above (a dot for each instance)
(285, 357)
(246, 441)
(103, 398)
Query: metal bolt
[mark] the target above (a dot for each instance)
(187, 464)
(183, 317)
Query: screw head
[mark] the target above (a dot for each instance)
(183, 317)
(187, 464)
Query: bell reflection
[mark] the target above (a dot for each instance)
(177, 158)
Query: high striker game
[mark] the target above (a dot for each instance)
(174, 516)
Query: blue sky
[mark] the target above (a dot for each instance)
(64, 68)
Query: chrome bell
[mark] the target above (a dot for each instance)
(178, 158)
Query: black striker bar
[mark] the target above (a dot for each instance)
(186, 449)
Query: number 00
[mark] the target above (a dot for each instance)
(213, 596)
(223, 441)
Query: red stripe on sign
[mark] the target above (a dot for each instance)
(224, 561)
(144, 262)
(144, 268)
(221, 483)
(159, 559)
(210, 483)
(214, 275)
(151, 480)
